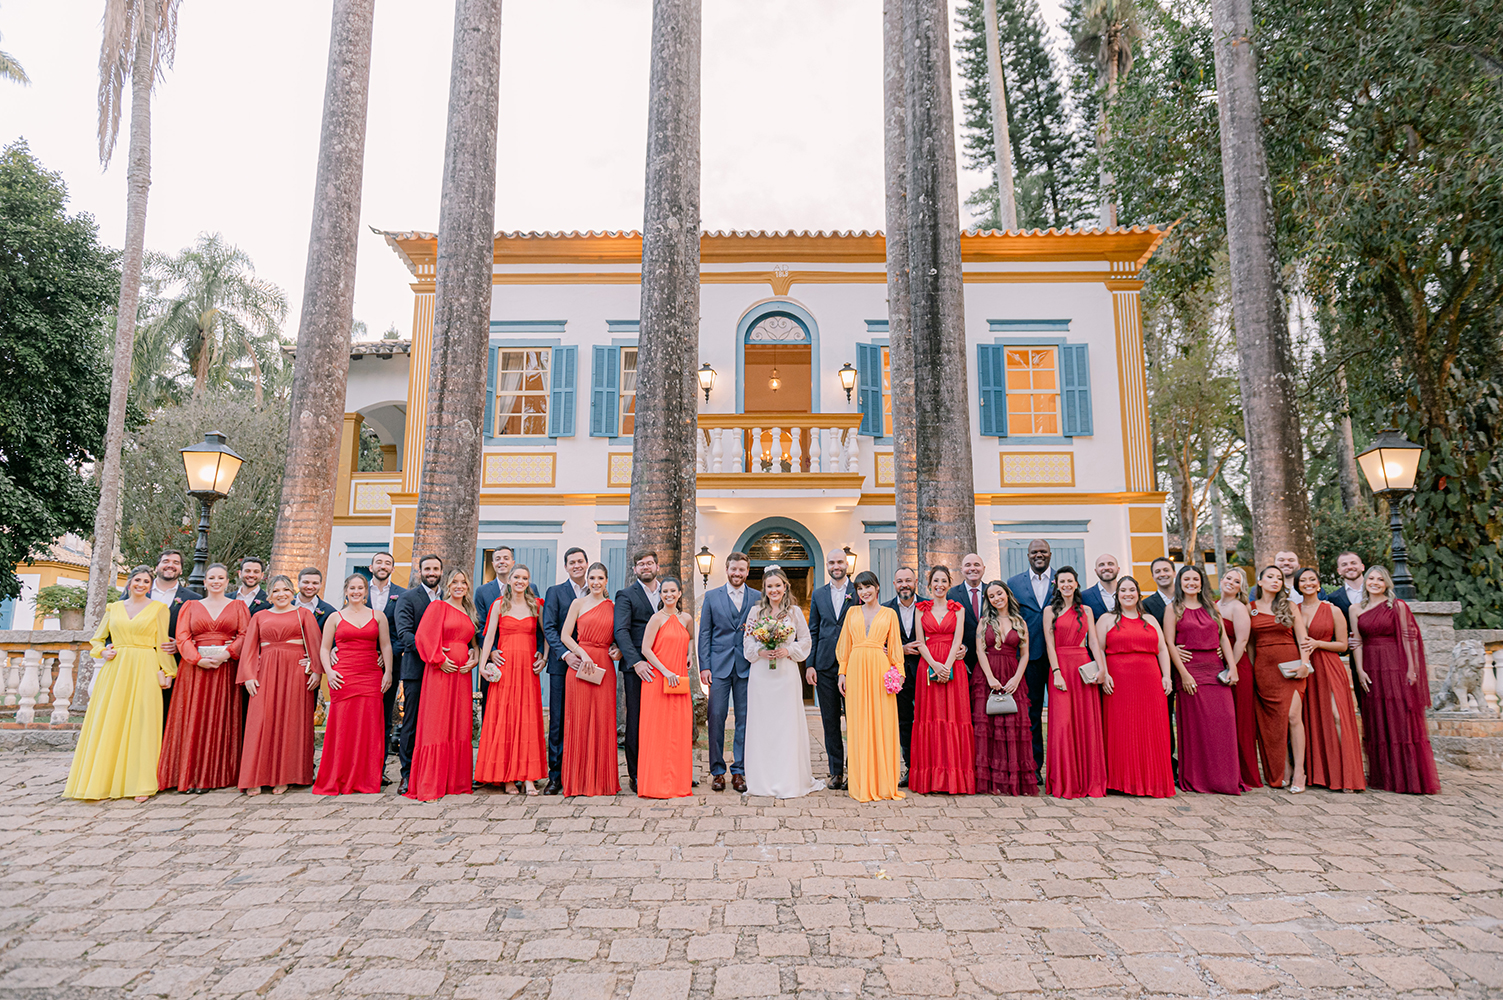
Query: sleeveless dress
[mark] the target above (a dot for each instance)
(1393, 713)
(1333, 748)
(513, 739)
(665, 754)
(1274, 644)
(873, 753)
(1208, 718)
(1075, 760)
(355, 735)
(590, 764)
(943, 748)
(1004, 743)
(278, 746)
(1245, 701)
(1135, 716)
(201, 745)
(442, 753)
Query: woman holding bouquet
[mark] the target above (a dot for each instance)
(777, 732)
(870, 653)
(944, 752)
(665, 759)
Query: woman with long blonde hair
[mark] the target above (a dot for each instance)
(1390, 660)
(1004, 742)
(1236, 621)
(513, 739)
(442, 762)
(1281, 667)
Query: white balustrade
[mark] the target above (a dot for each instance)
(796, 444)
(717, 448)
(62, 688)
(31, 663)
(775, 452)
(11, 668)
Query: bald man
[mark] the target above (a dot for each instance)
(971, 591)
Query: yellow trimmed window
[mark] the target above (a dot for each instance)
(522, 392)
(1032, 390)
(628, 390)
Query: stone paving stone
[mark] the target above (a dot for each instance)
(547, 949)
(926, 979)
(1011, 976)
(661, 984)
(491, 987)
(406, 982)
(582, 986)
(172, 980)
(639, 951)
(37, 977)
(470, 951)
(1485, 969)
(1211, 942)
(831, 980)
(689, 918)
(1240, 977)
(849, 945)
(822, 915)
(246, 979)
(107, 977)
(733, 981)
(1277, 943)
(743, 913)
(1405, 972)
(711, 947)
(1317, 973)
(1160, 974)
(1082, 973)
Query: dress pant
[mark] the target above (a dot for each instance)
(723, 692)
(166, 704)
(905, 706)
(407, 736)
(827, 689)
(632, 688)
(1036, 676)
(556, 724)
(389, 703)
(485, 695)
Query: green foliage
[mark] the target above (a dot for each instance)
(371, 458)
(62, 597)
(58, 285)
(1361, 530)
(158, 513)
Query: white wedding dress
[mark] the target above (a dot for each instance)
(777, 731)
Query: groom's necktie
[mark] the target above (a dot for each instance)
(976, 601)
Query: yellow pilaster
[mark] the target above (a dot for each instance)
(1137, 448)
(404, 504)
(349, 461)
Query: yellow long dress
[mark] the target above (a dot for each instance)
(871, 714)
(122, 731)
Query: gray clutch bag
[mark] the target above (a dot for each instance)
(1001, 703)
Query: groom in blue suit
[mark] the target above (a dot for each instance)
(1034, 590)
(724, 668)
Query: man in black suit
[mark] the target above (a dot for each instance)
(383, 596)
(251, 593)
(1034, 590)
(410, 607)
(635, 606)
(309, 582)
(560, 659)
(827, 610)
(971, 592)
(167, 587)
(1163, 578)
(1350, 568)
(1101, 597)
(905, 582)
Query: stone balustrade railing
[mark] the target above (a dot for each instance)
(779, 443)
(43, 670)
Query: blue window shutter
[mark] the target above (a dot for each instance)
(991, 364)
(885, 565)
(869, 388)
(539, 562)
(1068, 552)
(617, 568)
(1075, 389)
(490, 395)
(605, 392)
(1014, 557)
(561, 400)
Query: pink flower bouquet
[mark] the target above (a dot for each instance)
(893, 680)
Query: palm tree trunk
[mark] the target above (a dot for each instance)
(1108, 179)
(1278, 500)
(448, 514)
(137, 186)
(1007, 212)
(946, 483)
(663, 490)
(305, 516)
(899, 323)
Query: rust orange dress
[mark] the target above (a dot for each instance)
(513, 739)
(279, 723)
(590, 764)
(442, 753)
(1273, 644)
(201, 744)
(1333, 746)
(665, 759)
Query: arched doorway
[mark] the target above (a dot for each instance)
(782, 542)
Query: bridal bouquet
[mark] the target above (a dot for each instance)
(771, 633)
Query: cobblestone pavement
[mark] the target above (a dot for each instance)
(721, 896)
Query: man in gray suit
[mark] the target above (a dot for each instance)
(723, 667)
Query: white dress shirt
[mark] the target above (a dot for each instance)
(247, 597)
(906, 613)
(653, 597)
(379, 596)
(837, 594)
(1355, 596)
(298, 602)
(579, 589)
(1040, 582)
(737, 595)
(1108, 597)
(165, 596)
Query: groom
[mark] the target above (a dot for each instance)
(723, 665)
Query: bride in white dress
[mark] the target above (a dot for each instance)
(777, 731)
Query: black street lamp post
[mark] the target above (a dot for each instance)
(1391, 464)
(211, 468)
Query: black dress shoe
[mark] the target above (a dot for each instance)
(695, 783)
(634, 786)
(402, 788)
(904, 782)
(738, 783)
(553, 788)
(717, 782)
(836, 782)
(385, 781)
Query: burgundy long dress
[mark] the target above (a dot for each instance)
(1393, 713)
(1333, 750)
(1004, 743)
(943, 748)
(279, 722)
(513, 741)
(201, 743)
(443, 753)
(1135, 716)
(1245, 699)
(590, 764)
(1208, 734)
(1075, 758)
(355, 735)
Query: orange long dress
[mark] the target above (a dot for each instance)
(665, 760)
(590, 764)
(513, 740)
(441, 754)
(1274, 644)
(201, 745)
(1333, 746)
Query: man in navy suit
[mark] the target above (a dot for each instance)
(1350, 568)
(410, 608)
(1101, 597)
(971, 592)
(827, 611)
(1157, 603)
(635, 606)
(1034, 589)
(382, 597)
(555, 609)
(723, 667)
(905, 582)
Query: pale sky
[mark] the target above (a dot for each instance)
(792, 122)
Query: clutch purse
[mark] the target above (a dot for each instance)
(1290, 668)
(1001, 703)
(589, 673)
(1225, 676)
(682, 688)
(1089, 672)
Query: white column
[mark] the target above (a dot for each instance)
(754, 454)
(1489, 683)
(738, 449)
(44, 680)
(816, 452)
(62, 690)
(701, 458)
(31, 663)
(796, 450)
(717, 448)
(10, 667)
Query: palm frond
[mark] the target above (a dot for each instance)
(11, 70)
(124, 23)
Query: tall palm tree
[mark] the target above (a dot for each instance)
(10, 69)
(1007, 212)
(899, 325)
(942, 448)
(140, 37)
(663, 490)
(448, 513)
(1275, 446)
(1108, 31)
(305, 517)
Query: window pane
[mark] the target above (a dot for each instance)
(1018, 380)
(1046, 424)
(886, 393)
(522, 388)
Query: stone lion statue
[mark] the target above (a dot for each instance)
(1463, 685)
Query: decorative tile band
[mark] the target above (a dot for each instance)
(619, 472)
(519, 468)
(885, 473)
(1038, 468)
(373, 498)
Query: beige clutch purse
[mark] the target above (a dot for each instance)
(590, 673)
(1290, 668)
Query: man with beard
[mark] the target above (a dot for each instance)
(826, 618)
(1288, 564)
(905, 582)
(410, 607)
(1102, 598)
(1163, 578)
(167, 587)
(635, 606)
(1034, 590)
(723, 667)
(1350, 568)
(251, 593)
(560, 659)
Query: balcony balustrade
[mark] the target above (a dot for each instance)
(779, 444)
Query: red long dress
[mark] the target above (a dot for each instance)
(1004, 743)
(513, 742)
(1135, 716)
(442, 755)
(1333, 748)
(1208, 718)
(1245, 700)
(1075, 758)
(201, 744)
(665, 761)
(943, 754)
(1393, 713)
(590, 765)
(355, 735)
(1274, 644)
(279, 722)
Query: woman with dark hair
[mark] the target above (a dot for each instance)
(870, 653)
(1200, 649)
(355, 736)
(665, 758)
(1135, 713)
(513, 739)
(1237, 623)
(1004, 743)
(1075, 760)
(590, 764)
(442, 753)
(943, 747)
(201, 745)
(1280, 668)
(1390, 660)
(280, 669)
(1333, 749)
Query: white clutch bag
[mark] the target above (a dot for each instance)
(1290, 668)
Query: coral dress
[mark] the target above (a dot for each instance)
(443, 753)
(1075, 759)
(1333, 747)
(1004, 743)
(201, 745)
(665, 758)
(1245, 701)
(117, 750)
(1274, 644)
(513, 739)
(1393, 713)
(1208, 718)
(944, 744)
(355, 735)
(873, 753)
(279, 722)
(591, 766)
(1135, 716)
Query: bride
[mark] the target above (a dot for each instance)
(777, 731)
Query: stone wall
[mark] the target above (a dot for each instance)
(1434, 618)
